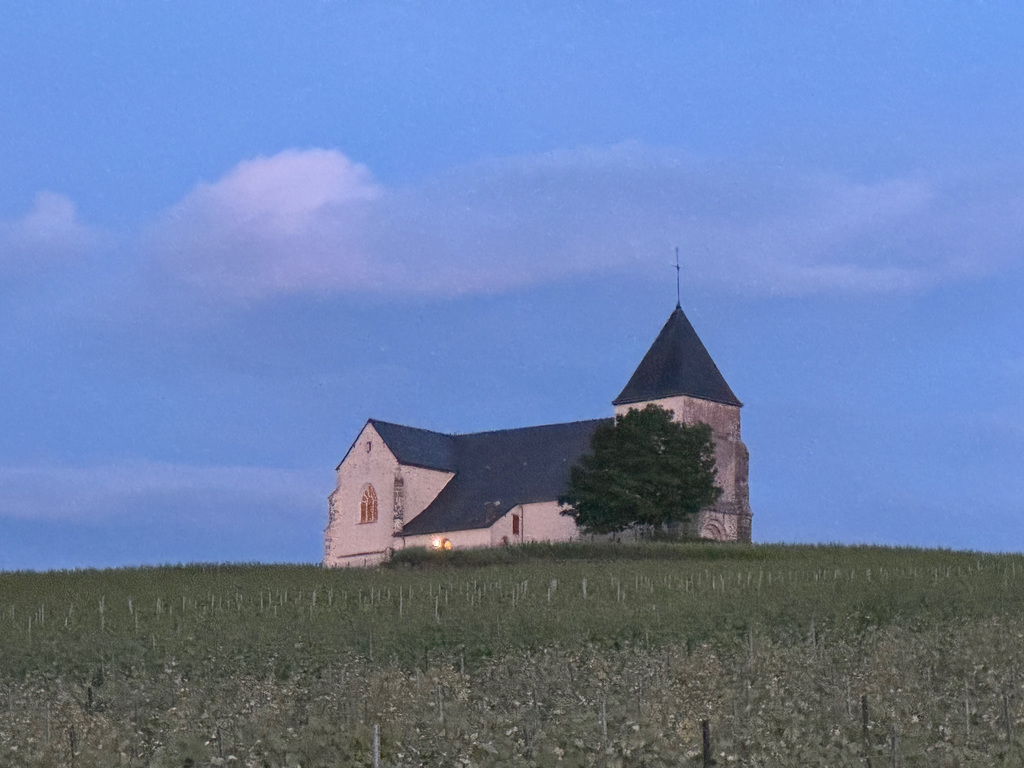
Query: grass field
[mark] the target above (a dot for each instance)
(567, 655)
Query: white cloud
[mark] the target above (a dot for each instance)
(287, 223)
(49, 235)
(314, 221)
(137, 488)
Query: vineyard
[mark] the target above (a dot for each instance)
(573, 655)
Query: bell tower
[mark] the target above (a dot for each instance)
(678, 374)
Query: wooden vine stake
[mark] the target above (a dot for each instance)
(967, 708)
(705, 735)
(895, 741)
(864, 720)
(1006, 718)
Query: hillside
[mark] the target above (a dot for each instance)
(573, 655)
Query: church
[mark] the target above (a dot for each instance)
(401, 486)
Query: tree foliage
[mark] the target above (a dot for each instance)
(644, 470)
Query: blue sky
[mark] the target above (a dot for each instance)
(231, 232)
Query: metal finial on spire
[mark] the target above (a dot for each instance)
(678, 298)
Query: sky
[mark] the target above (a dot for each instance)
(232, 232)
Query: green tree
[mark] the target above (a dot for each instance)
(644, 470)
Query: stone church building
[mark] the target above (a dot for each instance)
(400, 486)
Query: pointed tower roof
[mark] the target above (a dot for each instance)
(677, 364)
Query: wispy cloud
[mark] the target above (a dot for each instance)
(314, 221)
(50, 235)
(142, 488)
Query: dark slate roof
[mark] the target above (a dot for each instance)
(494, 471)
(418, 447)
(677, 364)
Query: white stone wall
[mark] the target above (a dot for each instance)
(501, 531)
(539, 521)
(421, 488)
(347, 541)
(477, 537)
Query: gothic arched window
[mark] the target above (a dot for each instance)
(368, 506)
